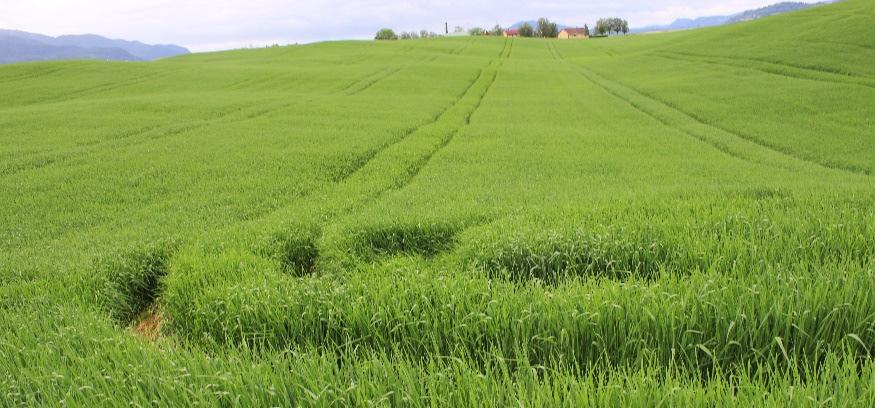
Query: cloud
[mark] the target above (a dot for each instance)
(220, 24)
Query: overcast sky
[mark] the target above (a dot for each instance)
(203, 25)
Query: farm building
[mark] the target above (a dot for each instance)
(572, 33)
(511, 32)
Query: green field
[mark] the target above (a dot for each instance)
(678, 219)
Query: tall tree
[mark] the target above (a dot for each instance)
(526, 30)
(497, 30)
(602, 26)
(547, 28)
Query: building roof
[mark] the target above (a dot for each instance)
(574, 30)
(511, 31)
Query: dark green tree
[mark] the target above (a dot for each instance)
(386, 34)
(526, 30)
(602, 26)
(547, 28)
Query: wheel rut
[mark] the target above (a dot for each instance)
(391, 166)
(772, 68)
(36, 73)
(418, 166)
(395, 164)
(487, 75)
(725, 140)
(437, 130)
(234, 114)
(94, 90)
(367, 84)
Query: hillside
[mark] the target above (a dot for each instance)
(771, 10)
(681, 219)
(20, 46)
(747, 15)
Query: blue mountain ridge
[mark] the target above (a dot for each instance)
(20, 46)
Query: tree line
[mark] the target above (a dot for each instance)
(389, 34)
(615, 25)
(543, 28)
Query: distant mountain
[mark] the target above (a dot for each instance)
(20, 46)
(135, 48)
(687, 23)
(778, 8)
(14, 49)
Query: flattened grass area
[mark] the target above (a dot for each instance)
(682, 219)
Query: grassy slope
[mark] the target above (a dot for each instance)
(599, 221)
